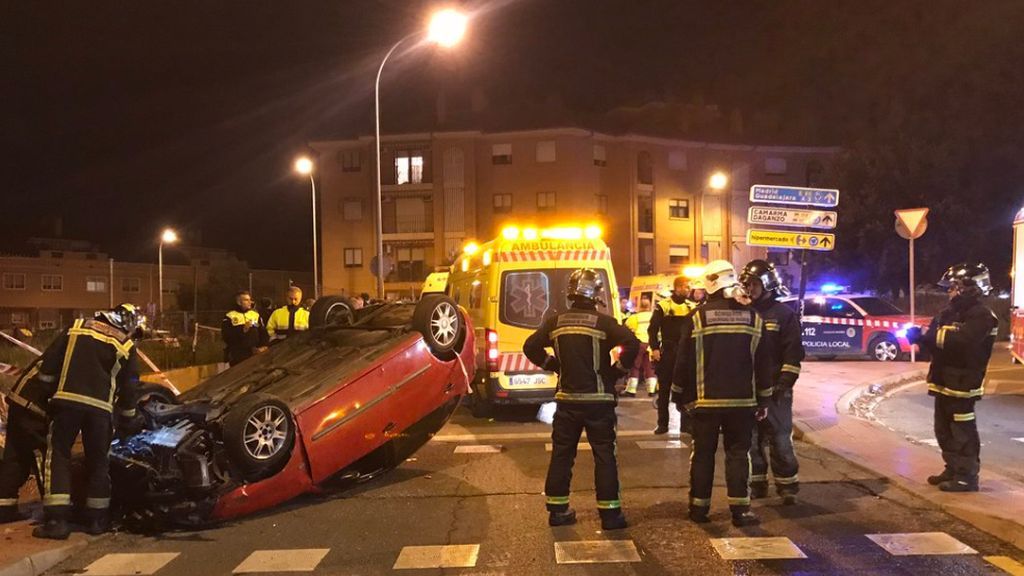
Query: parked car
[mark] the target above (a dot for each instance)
(854, 325)
(351, 398)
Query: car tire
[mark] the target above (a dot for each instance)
(438, 318)
(884, 348)
(149, 391)
(332, 311)
(259, 433)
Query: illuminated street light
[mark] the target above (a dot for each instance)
(446, 29)
(168, 236)
(718, 181)
(304, 166)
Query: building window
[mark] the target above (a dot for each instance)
(601, 203)
(19, 318)
(677, 160)
(95, 284)
(408, 168)
(131, 285)
(410, 264)
(353, 257)
(678, 255)
(502, 203)
(14, 281)
(350, 160)
(501, 154)
(408, 214)
(644, 168)
(775, 166)
(545, 201)
(47, 325)
(171, 286)
(352, 210)
(600, 155)
(645, 213)
(645, 250)
(679, 208)
(52, 283)
(546, 151)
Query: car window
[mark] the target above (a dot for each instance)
(838, 308)
(814, 306)
(877, 306)
(528, 296)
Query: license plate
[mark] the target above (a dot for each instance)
(528, 380)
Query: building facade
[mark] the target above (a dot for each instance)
(440, 190)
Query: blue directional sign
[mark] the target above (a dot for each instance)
(822, 197)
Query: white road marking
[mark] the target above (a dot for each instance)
(478, 449)
(768, 548)
(661, 444)
(929, 441)
(921, 544)
(583, 445)
(282, 561)
(497, 437)
(418, 557)
(125, 564)
(596, 552)
(1019, 440)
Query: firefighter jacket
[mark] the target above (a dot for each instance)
(667, 319)
(723, 360)
(960, 340)
(287, 320)
(242, 331)
(582, 339)
(785, 349)
(92, 364)
(29, 393)
(639, 324)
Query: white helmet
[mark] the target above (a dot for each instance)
(719, 274)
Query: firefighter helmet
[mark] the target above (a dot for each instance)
(125, 317)
(765, 272)
(585, 284)
(719, 274)
(971, 278)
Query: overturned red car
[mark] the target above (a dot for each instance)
(350, 398)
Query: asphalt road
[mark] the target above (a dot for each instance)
(494, 501)
(910, 411)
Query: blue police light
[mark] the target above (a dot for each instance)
(831, 288)
(902, 332)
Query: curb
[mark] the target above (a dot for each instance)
(41, 561)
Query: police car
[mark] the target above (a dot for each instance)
(854, 325)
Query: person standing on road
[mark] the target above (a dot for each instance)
(243, 331)
(663, 339)
(582, 339)
(93, 368)
(774, 434)
(723, 377)
(638, 324)
(960, 341)
(26, 440)
(290, 318)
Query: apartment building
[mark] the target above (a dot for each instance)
(442, 189)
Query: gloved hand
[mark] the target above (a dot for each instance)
(552, 365)
(128, 426)
(761, 413)
(914, 334)
(656, 355)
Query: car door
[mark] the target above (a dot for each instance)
(843, 327)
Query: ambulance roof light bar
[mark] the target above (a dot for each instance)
(590, 232)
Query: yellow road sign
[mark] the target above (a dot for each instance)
(783, 239)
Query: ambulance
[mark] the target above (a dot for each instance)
(508, 286)
(1017, 290)
(658, 286)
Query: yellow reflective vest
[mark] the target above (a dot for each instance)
(286, 321)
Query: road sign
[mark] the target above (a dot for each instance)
(911, 223)
(793, 195)
(820, 241)
(792, 217)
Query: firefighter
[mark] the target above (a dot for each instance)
(638, 324)
(582, 339)
(663, 338)
(774, 434)
(290, 318)
(960, 342)
(243, 331)
(26, 440)
(723, 377)
(93, 368)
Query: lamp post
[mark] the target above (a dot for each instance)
(167, 237)
(304, 166)
(446, 29)
(719, 182)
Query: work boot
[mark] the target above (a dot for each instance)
(758, 490)
(960, 485)
(742, 519)
(788, 498)
(562, 518)
(661, 430)
(699, 516)
(613, 519)
(10, 514)
(947, 474)
(53, 529)
(652, 386)
(99, 523)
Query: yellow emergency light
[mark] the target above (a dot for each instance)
(530, 234)
(510, 233)
(471, 248)
(693, 271)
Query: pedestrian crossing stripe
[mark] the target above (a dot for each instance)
(282, 561)
(596, 552)
(763, 548)
(478, 449)
(581, 446)
(920, 544)
(449, 556)
(121, 564)
(1006, 564)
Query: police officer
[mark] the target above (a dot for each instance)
(243, 331)
(775, 432)
(26, 440)
(638, 324)
(92, 366)
(960, 341)
(723, 376)
(583, 339)
(663, 339)
(290, 318)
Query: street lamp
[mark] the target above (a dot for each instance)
(304, 166)
(719, 182)
(168, 236)
(446, 29)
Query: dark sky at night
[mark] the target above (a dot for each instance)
(123, 117)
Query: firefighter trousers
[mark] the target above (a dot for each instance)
(665, 368)
(956, 429)
(736, 426)
(599, 420)
(96, 428)
(23, 454)
(773, 443)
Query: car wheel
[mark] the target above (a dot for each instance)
(332, 311)
(149, 391)
(259, 433)
(885, 348)
(439, 320)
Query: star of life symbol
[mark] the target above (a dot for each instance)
(529, 298)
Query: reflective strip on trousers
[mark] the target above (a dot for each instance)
(700, 502)
(739, 501)
(558, 499)
(965, 417)
(787, 480)
(609, 504)
(57, 500)
(97, 503)
(8, 502)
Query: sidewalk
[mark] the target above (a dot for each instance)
(822, 416)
